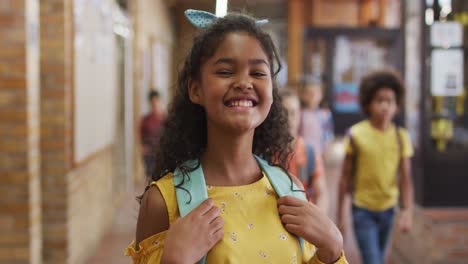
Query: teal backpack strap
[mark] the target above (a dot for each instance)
(191, 191)
(354, 156)
(280, 180)
(400, 142)
(281, 183)
(400, 151)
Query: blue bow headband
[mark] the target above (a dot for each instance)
(202, 19)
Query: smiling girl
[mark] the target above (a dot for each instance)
(226, 120)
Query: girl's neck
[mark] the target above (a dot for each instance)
(228, 160)
(380, 124)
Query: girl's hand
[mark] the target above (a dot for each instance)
(191, 237)
(304, 219)
(405, 220)
(341, 225)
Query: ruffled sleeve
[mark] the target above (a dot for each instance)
(149, 251)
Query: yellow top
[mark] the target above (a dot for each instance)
(377, 163)
(253, 232)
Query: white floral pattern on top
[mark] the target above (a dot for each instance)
(269, 191)
(263, 254)
(253, 231)
(233, 237)
(294, 259)
(223, 206)
(238, 195)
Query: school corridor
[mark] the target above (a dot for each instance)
(75, 82)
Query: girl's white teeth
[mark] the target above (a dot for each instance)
(242, 103)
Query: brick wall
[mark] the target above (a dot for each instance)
(20, 229)
(56, 123)
(439, 236)
(79, 199)
(52, 210)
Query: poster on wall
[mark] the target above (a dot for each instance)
(446, 34)
(96, 78)
(355, 58)
(346, 97)
(447, 72)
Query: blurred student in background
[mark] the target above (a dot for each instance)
(304, 162)
(376, 168)
(150, 131)
(316, 122)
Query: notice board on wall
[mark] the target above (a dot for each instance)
(447, 72)
(95, 77)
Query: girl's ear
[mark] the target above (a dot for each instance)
(194, 91)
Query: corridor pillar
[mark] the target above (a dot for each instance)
(56, 20)
(295, 39)
(20, 215)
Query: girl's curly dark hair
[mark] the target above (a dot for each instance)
(184, 134)
(377, 80)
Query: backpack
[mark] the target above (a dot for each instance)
(306, 173)
(356, 152)
(191, 191)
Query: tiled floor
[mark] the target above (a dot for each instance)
(113, 244)
(123, 232)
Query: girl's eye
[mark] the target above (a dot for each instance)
(258, 74)
(224, 72)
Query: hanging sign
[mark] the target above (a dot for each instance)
(446, 34)
(447, 72)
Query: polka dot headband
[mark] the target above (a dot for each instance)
(202, 19)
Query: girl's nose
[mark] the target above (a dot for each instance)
(243, 84)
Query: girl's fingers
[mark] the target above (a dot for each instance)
(293, 228)
(217, 236)
(203, 208)
(290, 200)
(292, 210)
(216, 224)
(291, 219)
(212, 214)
